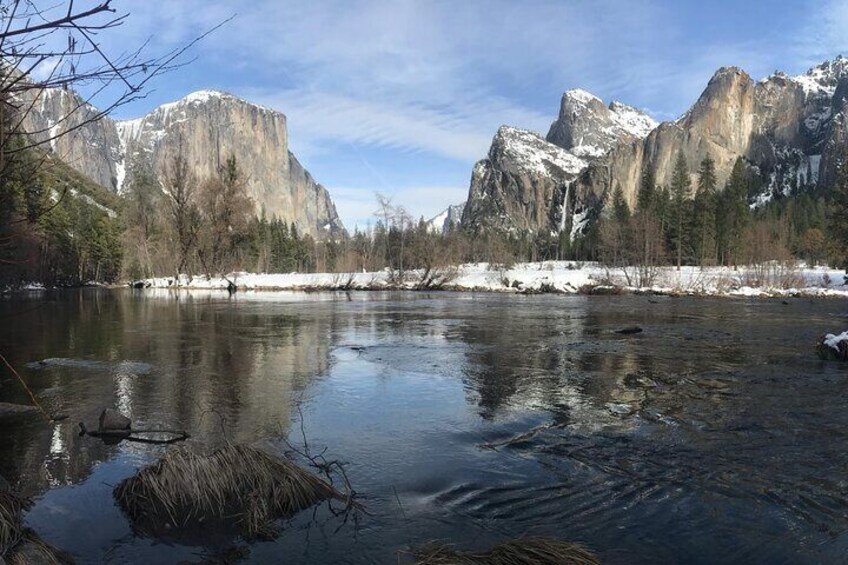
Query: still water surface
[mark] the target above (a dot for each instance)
(713, 436)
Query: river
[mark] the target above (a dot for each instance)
(715, 435)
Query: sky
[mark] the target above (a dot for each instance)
(403, 96)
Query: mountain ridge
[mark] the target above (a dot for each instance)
(209, 125)
(789, 130)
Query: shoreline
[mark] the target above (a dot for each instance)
(550, 277)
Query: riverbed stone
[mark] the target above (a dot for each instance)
(8, 410)
(112, 420)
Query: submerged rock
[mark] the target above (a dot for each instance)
(619, 409)
(8, 410)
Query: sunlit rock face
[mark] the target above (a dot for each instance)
(526, 183)
(208, 126)
(791, 131)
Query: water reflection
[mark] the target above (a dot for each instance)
(200, 364)
(467, 417)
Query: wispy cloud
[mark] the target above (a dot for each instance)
(435, 78)
(431, 76)
(823, 34)
(460, 131)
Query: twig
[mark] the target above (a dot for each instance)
(398, 501)
(29, 392)
(326, 467)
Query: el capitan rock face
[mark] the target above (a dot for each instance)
(210, 125)
(791, 130)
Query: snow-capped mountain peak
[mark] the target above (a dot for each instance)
(528, 151)
(447, 219)
(631, 119)
(821, 80)
(582, 96)
(588, 128)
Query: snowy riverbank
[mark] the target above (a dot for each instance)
(550, 276)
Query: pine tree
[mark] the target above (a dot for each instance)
(704, 212)
(620, 209)
(838, 216)
(680, 188)
(647, 190)
(736, 209)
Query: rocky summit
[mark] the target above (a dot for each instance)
(446, 220)
(789, 130)
(209, 126)
(523, 184)
(529, 182)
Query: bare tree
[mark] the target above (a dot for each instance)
(143, 217)
(227, 209)
(64, 39)
(180, 186)
(385, 212)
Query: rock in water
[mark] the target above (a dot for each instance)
(629, 331)
(833, 347)
(16, 410)
(113, 421)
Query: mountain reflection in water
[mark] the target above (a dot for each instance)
(714, 435)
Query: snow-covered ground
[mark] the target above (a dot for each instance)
(549, 276)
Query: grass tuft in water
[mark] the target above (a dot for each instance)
(187, 489)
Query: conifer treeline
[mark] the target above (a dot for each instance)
(707, 225)
(56, 226)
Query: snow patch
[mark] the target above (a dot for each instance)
(579, 221)
(561, 276)
(632, 120)
(813, 121)
(833, 341)
(108, 211)
(820, 81)
(532, 154)
(581, 95)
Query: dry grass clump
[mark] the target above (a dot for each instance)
(32, 550)
(20, 545)
(527, 551)
(187, 489)
(11, 526)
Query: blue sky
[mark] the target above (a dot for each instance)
(402, 97)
